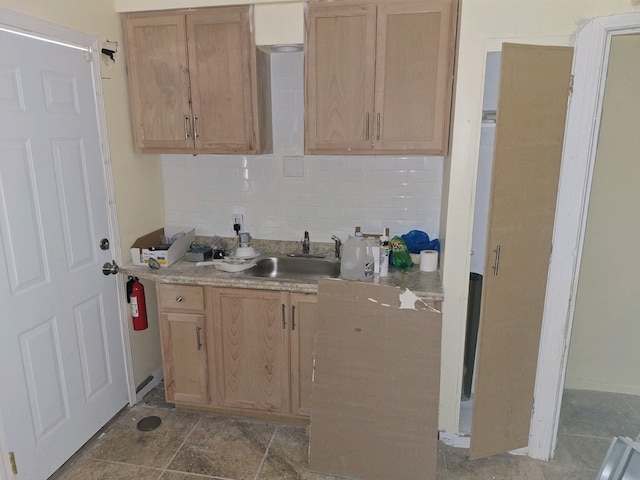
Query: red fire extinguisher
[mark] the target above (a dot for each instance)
(135, 296)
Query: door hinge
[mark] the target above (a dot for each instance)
(571, 84)
(12, 463)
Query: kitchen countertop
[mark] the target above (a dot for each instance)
(427, 286)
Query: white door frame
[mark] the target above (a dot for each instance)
(581, 138)
(17, 22)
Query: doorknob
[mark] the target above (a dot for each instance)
(110, 268)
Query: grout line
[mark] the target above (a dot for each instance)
(181, 445)
(445, 470)
(202, 475)
(637, 414)
(266, 452)
(584, 435)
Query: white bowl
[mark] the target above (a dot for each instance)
(244, 252)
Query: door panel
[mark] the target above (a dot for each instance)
(534, 86)
(157, 60)
(304, 313)
(59, 315)
(412, 75)
(340, 73)
(219, 45)
(185, 357)
(252, 349)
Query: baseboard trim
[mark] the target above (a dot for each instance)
(153, 383)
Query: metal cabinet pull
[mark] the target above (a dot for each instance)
(198, 342)
(366, 133)
(378, 128)
(496, 263)
(284, 322)
(186, 127)
(293, 317)
(195, 127)
(179, 298)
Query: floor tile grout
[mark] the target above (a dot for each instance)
(181, 445)
(266, 452)
(637, 414)
(282, 454)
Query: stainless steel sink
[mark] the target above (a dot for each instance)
(294, 268)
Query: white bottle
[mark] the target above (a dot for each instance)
(384, 256)
(357, 259)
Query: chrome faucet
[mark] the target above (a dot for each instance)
(306, 243)
(338, 244)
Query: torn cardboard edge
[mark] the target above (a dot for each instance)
(406, 300)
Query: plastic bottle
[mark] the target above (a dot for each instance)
(401, 259)
(357, 259)
(384, 256)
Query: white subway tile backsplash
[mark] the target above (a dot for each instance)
(335, 194)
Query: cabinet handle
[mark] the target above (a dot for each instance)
(179, 298)
(198, 342)
(366, 134)
(195, 127)
(293, 317)
(284, 322)
(378, 128)
(496, 263)
(186, 127)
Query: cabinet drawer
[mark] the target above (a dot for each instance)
(181, 298)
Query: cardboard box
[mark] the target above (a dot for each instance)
(143, 248)
(376, 384)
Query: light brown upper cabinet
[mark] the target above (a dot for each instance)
(197, 83)
(378, 77)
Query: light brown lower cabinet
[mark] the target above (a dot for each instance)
(183, 342)
(238, 350)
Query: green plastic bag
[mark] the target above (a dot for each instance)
(400, 255)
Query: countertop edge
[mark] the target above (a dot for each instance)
(426, 285)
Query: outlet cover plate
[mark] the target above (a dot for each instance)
(293, 165)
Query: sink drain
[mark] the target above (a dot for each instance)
(149, 423)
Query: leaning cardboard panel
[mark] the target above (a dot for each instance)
(376, 384)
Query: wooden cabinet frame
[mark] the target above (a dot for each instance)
(183, 334)
(379, 76)
(197, 82)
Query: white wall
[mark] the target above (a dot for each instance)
(334, 195)
(604, 343)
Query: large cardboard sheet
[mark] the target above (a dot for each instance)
(376, 384)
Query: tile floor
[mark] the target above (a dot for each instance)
(192, 446)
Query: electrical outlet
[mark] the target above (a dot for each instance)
(238, 220)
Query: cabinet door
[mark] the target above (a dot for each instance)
(158, 82)
(184, 357)
(414, 65)
(220, 52)
(303, 333)
(252, 345)
(339, 78)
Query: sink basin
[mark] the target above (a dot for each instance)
(294, 268)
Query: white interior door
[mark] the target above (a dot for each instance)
(63, 371)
